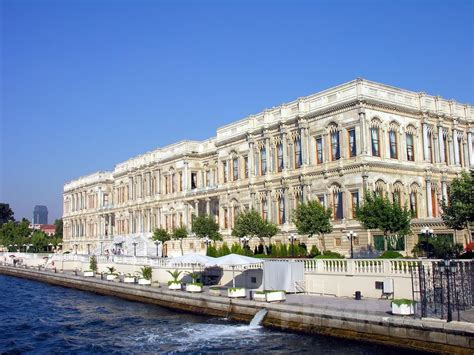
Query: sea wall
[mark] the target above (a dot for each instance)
(431, 335)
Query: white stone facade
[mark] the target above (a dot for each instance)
(328, 146)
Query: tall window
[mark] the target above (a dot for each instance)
(235, 168)
(413, 205)
(446, 149)
(338, 205)
(298, 160)
(167, 184)
(173, 183)
(263, 161)
(319, 150)
(430, 147)
(226, 170)
(434, 203)
(321, 200)
(410, 149)
(264, 209)
(352, 143)
(354, 202)
(226, 218)
(281, 210)
(180, 182)
(246, 166)
(208, 178)
(280, 157)
(461, 153)
(374, 132)
(194, 182)
(392, 137)
(335, 149)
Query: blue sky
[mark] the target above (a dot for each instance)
(88, 84)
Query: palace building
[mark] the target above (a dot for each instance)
(331, 146)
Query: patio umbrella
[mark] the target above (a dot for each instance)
(193, 259)
(234, 260)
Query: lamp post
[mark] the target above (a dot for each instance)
(427, 232)
(448, 267)
(157, 243)
(207, 241)
(292, 238)
(245, 241)
(350, 236)
(134, 248)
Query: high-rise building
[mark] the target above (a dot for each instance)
(40, 215)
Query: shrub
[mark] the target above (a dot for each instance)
(329, 255)
(93, 263)
(224, 250)
(175, 274)
(390, 254)
(212, 251)
(314, 251)
(111, 270)
(401, 301)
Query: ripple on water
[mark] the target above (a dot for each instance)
(71, 321)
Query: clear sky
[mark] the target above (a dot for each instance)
(88, 84)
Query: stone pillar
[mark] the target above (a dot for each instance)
(196, 207)
(363, 132)
(185, 176)
(208, 206)
(284, 144)
(442, 157)
(457, 161)
(426, 152)
(436, 158)
(287, 206)
(267, 150)
(470, 153)
(444, 189)
(269, 205)
(251, 159)
(429, 202)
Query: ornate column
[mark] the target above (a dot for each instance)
(267, 152)
(444, 188)
(426, 152)
(456, 147)
(442, 157)
(185, 176)
(429, 202)
(470, 153)
(196, 207)
(269, 205)
(436, 148)
(284, 144)
(363, 131)
(287, 205)
(208, 206)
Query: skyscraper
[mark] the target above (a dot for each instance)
(40, 215)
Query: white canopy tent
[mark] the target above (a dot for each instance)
(191, 259)
(233, 260)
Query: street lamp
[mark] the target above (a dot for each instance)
(448, 267)
(134, 248)
(292, 238)
(427, 232)
(351, 235)
(157, 243)
(207, 241)
(24, 245)
(245, 241)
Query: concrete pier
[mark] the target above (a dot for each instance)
(429, 335)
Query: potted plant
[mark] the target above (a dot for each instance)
(235, 292)
(111, 274)
(129, 279)
(92, 267)
(275, 295)
(174, 284)
(194, 286)
(215, 291)
(145, 276)
(403, 307)
(260, 296)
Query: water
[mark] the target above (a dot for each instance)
(258, 318)
(40, 318)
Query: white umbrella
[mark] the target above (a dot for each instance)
(234, 260)
(193, 259)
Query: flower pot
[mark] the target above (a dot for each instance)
(259, 297)
(214, 291)
(88, 273)
(111, 277)
(193, 288)
(275, 296)
(144, 282)
(129, 279)
(236, 292)
(174, 286)
(403, 309)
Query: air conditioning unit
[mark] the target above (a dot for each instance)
(388, 286)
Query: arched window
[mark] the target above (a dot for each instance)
(410, 147)
(235, 168)
(264, 209)
(374, 133)
(337, 203)
(263, 161)
(335, 148)
(392, 137)
(281, 210)
(298, 158)
(414, 200)
(279, 157)
(225, 170)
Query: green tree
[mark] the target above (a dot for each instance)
(93, 263)
(312, 218)
(458, 211)
(179, 234)
(6, 213)
(206, 226)
(40, 241)
(161, 235)
(58, 228)
(378, 212)
(12, 233)
(252, 225)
